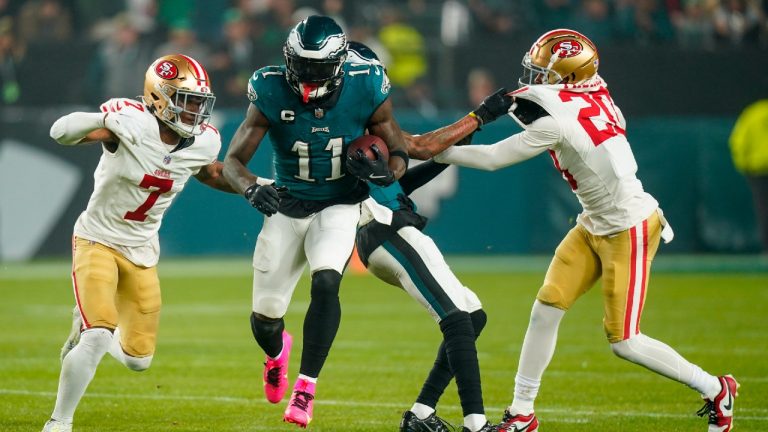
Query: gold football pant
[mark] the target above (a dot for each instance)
(623, 260)
(111, 291)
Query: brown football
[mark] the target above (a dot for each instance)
(365, 143)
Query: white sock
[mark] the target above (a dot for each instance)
(475, 422)
(307, 378)
(422, 411)
(77, 371)
(537, 351)
(526, 390)
(137, 364)
(662, 359)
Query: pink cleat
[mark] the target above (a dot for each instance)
(299, 409)
(720, 410)
(276, 372)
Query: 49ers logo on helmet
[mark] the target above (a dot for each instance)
(567, 48)
(166, 70)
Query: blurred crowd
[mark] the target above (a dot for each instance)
(117, 39)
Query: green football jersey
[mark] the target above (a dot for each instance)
(310, 143)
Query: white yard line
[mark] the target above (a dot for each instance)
(568, 414)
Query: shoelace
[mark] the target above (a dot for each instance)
(273, 376)
(708, 408)
(507, 423)
(487, 428)
(302, 404)
(441, 424)
(434, 423)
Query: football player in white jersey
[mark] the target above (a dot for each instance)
(565, 109)
(151, 147)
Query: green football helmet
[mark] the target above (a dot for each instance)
(314, 57)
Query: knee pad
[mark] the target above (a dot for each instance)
(457, 324)
(138, 364)
(326, 283)
(264, 326)
(479, 319)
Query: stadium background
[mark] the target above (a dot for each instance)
(680, 79)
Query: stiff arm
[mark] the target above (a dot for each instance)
(428, 145)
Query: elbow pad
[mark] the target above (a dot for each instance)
(72, 128)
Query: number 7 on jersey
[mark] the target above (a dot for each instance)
(162, 186)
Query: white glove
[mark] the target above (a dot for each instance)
(124, 127)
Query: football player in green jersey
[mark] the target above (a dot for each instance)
(311, 107)
(393, 247)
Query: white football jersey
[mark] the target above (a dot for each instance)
(593, 154)
(136, 184)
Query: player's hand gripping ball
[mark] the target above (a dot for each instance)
(367, 159)
(366, 144)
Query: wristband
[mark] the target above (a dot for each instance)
(401, 154)
(477, 119)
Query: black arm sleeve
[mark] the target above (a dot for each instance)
(419, 175)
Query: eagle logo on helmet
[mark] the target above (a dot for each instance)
(166, 70)
(567, 48)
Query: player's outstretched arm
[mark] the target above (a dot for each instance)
(384, 125)
(543, 134)
(81, 128)
(241, 149)
(211, 175)
(431, 143)
(423, 173)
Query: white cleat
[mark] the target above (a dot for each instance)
(74, 333)
(57, 426)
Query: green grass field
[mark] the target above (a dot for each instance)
(206, 374)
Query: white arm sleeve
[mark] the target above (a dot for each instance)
(541, 135)
(72, 128)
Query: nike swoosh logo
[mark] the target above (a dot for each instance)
(376, 176)
(730, 402)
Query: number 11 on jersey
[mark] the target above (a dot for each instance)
(303, 151)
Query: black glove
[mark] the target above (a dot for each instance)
(493, 107)
(264, 198)
(376, 171)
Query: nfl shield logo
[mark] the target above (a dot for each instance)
(167, 159)
(319, 113)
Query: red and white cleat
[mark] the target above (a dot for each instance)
(518, 423)
(720, 410)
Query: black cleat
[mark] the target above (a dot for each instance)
(433, 423)
(487, 428)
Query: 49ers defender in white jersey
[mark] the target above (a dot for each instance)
(151, 147)
(128, 218)
(565, 108)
